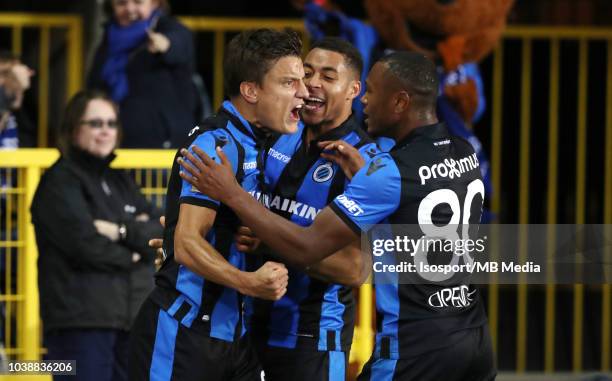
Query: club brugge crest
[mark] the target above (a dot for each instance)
(323, 173)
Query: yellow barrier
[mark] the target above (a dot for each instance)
(555, 36)
(29, 164)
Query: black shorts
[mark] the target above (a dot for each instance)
(162, 349)
(470, 359)
(282, 364)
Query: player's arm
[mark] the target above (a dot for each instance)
(300, 246)
(197, 214)
(197, 254)
(331, 231)
(349, 266)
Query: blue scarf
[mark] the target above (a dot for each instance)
(121, 41)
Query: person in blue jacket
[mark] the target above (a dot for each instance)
(146, 63)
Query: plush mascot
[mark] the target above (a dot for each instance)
(456, 34)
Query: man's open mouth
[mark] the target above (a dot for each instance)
(314, 103)
(295, 112)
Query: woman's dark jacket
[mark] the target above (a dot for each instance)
(162, 104)
(85, 280)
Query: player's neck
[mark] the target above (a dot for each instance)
(315, 131)
(246, 110)
(412, 122)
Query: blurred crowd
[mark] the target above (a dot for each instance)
(92, 222)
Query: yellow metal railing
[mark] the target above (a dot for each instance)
(30, 164)
(74, 51)
(555, 36)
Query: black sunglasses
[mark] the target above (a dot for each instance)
(99, 123)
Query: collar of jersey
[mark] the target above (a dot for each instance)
(238, 121)
(336, 133)
(431, 131)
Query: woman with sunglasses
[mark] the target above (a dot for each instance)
(92, 225)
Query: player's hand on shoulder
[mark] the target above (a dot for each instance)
(343, 154)
(216, 180)
(245, 240)
(268, 282)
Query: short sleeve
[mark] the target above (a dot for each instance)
(208, 142)
(372, 195)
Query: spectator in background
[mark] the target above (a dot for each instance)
(92, 226)
(15, 81)
(8, 127)
(146, 64)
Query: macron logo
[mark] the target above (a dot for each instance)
(279, 155)
(350, 205)
(249, 165)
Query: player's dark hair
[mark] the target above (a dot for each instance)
(73, 115)
(252, 53)
(414, 73)
(351, 55)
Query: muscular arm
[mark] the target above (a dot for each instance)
(349, 266)
(301, 246)
(197, 254)
(194, 252)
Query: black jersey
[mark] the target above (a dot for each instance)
(219, 309)
(430, 180)
(313, 314)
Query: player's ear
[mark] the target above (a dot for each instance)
(249, 92)
(401, 102)
(354, 89)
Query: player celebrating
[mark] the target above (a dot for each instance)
(415, 340)
(192, 323)
(308, 333)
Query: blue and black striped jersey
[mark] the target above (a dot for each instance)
(427, 182)
(219, 309)
(299, 183)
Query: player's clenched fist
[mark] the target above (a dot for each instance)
(268, 282)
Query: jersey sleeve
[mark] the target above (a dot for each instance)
(207, 142)
(385, 144)
(369, 151)
(372, 195)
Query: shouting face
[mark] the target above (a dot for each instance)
(280, 96)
